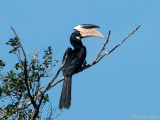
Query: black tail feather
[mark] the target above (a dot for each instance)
(65, 100)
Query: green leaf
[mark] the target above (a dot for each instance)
(2, 63)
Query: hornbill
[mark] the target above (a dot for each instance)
(74, 58)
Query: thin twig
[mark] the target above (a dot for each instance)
(124, 39)
(103, 48)
(52, 112)
(19, 42)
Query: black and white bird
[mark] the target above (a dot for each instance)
(74, 58)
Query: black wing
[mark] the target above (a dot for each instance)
(73, 61)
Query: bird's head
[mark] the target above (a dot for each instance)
(83, 31)
(87, 30)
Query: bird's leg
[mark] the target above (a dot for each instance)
(84, 63)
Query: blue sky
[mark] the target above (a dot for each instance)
(125, 84)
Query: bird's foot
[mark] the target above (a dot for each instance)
(84, 63)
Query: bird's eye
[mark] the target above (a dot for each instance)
(78, 37)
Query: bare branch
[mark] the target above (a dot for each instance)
(107, 53)
(55, 83)
(52, 112)
(19, 42)
(103, 48)
(48, 86)
(123, 40)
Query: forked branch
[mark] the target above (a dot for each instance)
(99, 56)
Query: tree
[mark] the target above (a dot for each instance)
(22, 85)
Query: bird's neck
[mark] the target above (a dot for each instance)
(77, 45)
(76, 42)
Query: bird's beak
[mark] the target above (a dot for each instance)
(92, 32)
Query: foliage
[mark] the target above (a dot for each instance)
(13, 92)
